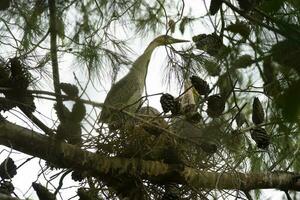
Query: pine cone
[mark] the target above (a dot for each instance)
(8, 169)
(69, 89)
(215, 106)
(87, 194)
(272, 89)
(4, 4)
(200, 85)
(261, 138)
(7, 188)
(6, 104)
(246, 5)
(20, 76)
(211, 43)
(176, 109)
(268, 70)
(52, 166)
(240, 119)
(78, 112)
(43, 192)
(19, 81)
(258, 115)
(77, 176)
(168, 103)
(64, 114)
(215, 6)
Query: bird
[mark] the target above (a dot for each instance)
(155, 124)
(126, 93)
(182, 125)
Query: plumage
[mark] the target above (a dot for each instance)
(126, 93)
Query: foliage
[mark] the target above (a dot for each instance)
(249, 50)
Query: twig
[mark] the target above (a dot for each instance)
(249, 197)
(61, 181)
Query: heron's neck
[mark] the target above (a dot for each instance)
(151, 48)
(141, 64)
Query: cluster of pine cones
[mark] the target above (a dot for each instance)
(215, 103)
(17, 78)
(244, 5)
(8, 170)
(69, 128)
(215, 108)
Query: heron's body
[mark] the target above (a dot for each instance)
(126, 93)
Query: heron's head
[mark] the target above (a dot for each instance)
(166, 39)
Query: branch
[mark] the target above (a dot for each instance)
(11, 103)
(6, 197)
(250, 18)
(63, 97)
(53, 50)
(69, 156)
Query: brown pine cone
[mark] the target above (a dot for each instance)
(169, 103)
(258, 115)
(215, 106)
(261, 138)
(200, 85)
(215, 6)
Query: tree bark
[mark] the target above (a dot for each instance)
(69, 156)
(6, 197)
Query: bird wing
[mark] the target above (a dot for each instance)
(122, 94)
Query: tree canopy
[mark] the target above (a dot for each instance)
(227, 127)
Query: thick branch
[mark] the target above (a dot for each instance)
(6, 197)
(69, 156)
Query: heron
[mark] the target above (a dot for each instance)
(126, 93)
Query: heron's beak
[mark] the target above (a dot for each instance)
(179, 41)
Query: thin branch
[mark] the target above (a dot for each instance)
(53, 50)
(248, 17)
(287, 195)
(247, 194)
